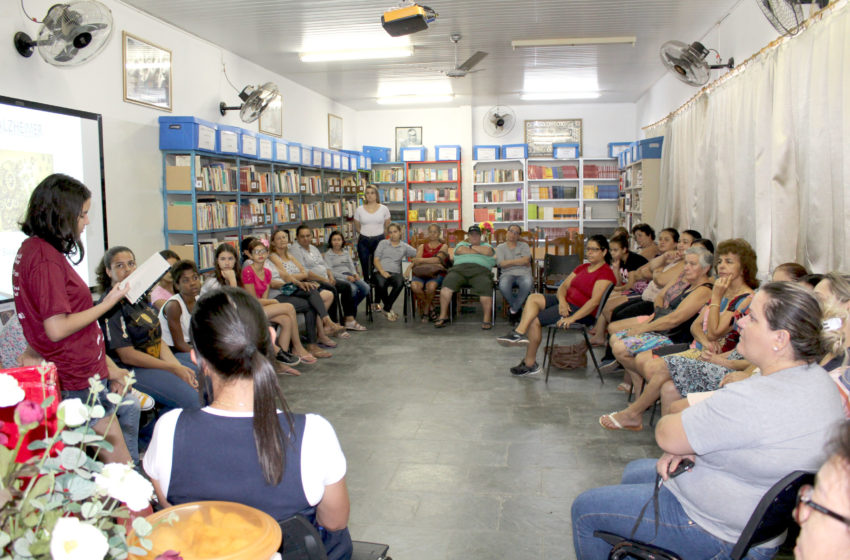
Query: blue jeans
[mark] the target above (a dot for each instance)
(127, 415)
(523, 285)
(166, 388)
(615, 509)
(359, 290)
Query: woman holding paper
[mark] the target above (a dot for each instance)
(134, 339)
(54, 304)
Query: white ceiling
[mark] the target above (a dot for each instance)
(272, 32)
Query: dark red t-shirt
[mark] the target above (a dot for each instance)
(581, 288)
(44, 285)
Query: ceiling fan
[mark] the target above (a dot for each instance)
(459, 71)
(786, 15)
(687, 62)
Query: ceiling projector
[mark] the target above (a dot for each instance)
(407, 19)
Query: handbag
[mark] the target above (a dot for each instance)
(569, 356)
(288, 289)
(428, 270)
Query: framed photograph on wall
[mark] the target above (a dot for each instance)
(541, 134)
(407, 137)
(271, 120)
(334, 132)
(147, 73)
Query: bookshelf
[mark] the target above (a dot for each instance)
(638, 186)
(433, 191)
(392, 189)
(499, 192)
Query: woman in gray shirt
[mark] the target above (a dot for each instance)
(388, 279)
(339, 261)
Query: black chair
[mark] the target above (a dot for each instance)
(771, 518)
(301, 541)
(584, 327)
(556, 268)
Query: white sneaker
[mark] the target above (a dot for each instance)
(146, 401)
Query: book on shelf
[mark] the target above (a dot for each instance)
(310, 184)
(419, 174)
(433, 215)
(553, 192)
(498, 195)
(498, 175)
(536, 212)
(286, 210)
(433, 195)
(255, 212)
(553, 172)
(217, 214)
(388, 175)
(596, 171)
(392, 194)
(218, 176)
(286, 181)
(601, 192)
(498, 214)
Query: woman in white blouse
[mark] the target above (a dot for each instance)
(371, 221)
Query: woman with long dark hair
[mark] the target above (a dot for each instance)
(246, 446)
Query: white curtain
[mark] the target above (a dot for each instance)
(765, 154)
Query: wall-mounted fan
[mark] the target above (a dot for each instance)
(461, 70)
(786, 15)
(70, 34)
(687, 62)
(254, 101)
(499, 121)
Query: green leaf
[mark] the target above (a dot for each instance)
(97, 411)
(38, 444)
(71, 438)
(7, 458)
(40, 548)
(142, 527)
(90, 509)
(22, 547)
(72, 458)
(45, 404)
(81, 489)
(114, 398)
(4, 539)
(136, 551)
(146, 543)
(51, 464)
(103, 444)
(31, 519)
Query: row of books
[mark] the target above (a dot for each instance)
(433, 195)
(216, 214)
(318, 210)
(427, 174)
(602, 192)
(536, 212)
(556, 232)
(498, 175)
(219, 177)
(393, 194)
(285, 210)
(547, 172)
(390, 175)
(593, 171)
(507, 195)
(553, 192)
(433, 215)
(250, 180)
(498, 214)
(310, 184)
(255, 212)
(286, 182)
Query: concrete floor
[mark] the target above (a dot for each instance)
(451, 457)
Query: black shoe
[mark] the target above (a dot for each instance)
(287, 358)
(608, 366)
(514, 318)
(513, 338)
(518, 367)
(523, 370)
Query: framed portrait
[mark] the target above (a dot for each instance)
(407, 137)
(271, 120)
(334, 132)
(147, 73)
(541, 134)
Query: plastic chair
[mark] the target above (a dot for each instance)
(301, 541)
(771, 518)
(584, 327)
(559, 266)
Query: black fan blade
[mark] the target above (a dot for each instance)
(67, 54)
(470, 62)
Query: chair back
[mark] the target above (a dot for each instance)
(605, 295)
(500, 235)
(557, 267)
(558, 246)
(453, 237)
(301, 541)
(529, 237)
(773, 514)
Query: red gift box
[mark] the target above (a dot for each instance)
(37, 386)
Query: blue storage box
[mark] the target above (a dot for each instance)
(447, 153)
(366, 162)
(281, 151)
(248, 145)
(566, 150)
(265, 147)
(621, 159)
(377, 153)
(337, 161)
(486, 153)
(186, 133)
(315, 156)
(327, 159)
(616, 148)
(514, 151)
(306, 155)
(293, 153)
(649, 148)
(412, 153)
(228, 139)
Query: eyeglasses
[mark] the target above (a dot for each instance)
(592, 249)
(804, 497)
(259, 252)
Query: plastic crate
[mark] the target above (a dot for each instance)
(649, 148)
(336, 162)
(486, 152)
(315, 157)
(566, 150)
(616, 148)
(377, 153)
(447, 153)
(412, 153)
(366, 162)
(186, 133)
(294, 153)
(248, 145)
(265, 147)
(345, 162)
(228, 139)
(281, 151)
(514, 151)
(306, 155)
(327, 159)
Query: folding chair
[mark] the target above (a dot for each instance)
(771, 518)
(301, 541)
(552, 331)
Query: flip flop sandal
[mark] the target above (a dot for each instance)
(486, 325)
(322, 354)
(308, 359)
(440, 323)
(624, 387)
(342, 334)
(325, 345)
(617, 425)
(355, 327)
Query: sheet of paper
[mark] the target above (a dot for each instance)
(146, 275)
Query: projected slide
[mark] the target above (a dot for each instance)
(35, 142)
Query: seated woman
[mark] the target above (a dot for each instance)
(789, 272)
(175, 312)
(246, 446)
(164, 289)
(306, 296)
(342, 266)
(823, 511)
(645, 238)
(425, 288)
(742, 440)
(133, 338)
(714, 332)
(388, 279)
(576, 301)
(834, 294)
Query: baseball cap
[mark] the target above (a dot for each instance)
(474, 229)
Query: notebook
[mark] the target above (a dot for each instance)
(145, 276)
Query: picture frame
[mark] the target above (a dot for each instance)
(407, 137)
(541, 134)
(271, 120)
(334, 132)
(147, 73)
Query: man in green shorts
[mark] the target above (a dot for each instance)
(473, 266)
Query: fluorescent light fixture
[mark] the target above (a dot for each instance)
(574, 41)
(414, 99)
(357, 54)
(562, 95)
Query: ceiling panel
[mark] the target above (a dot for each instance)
(272, 32)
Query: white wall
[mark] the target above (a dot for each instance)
(131, 150)
(741, 34)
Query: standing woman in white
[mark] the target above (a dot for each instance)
(371, 221)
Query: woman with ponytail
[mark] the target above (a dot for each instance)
(246, 446)
(834, 294)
